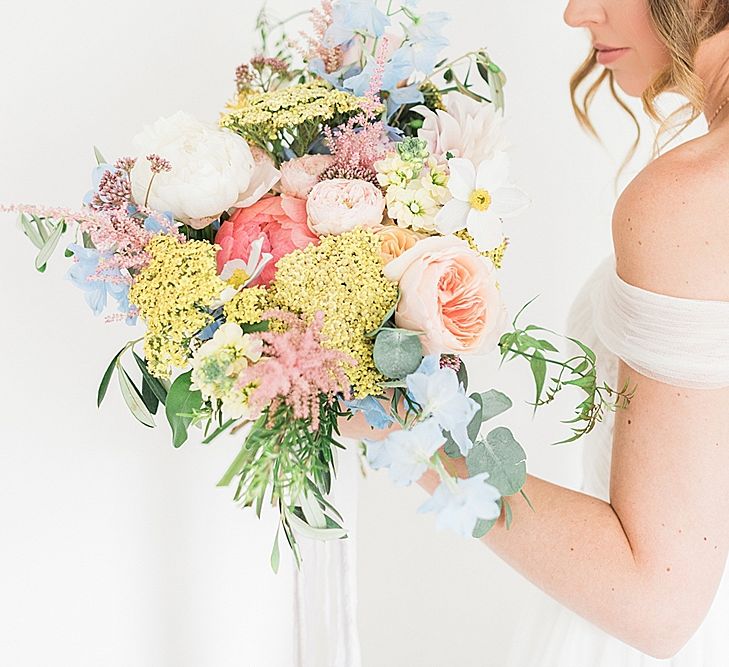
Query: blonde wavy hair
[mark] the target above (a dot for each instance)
(681, 25)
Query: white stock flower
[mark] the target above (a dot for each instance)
(212, 168)
(481, 197)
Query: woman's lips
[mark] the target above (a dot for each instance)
(608, 54)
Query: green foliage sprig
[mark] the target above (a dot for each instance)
(579, 370)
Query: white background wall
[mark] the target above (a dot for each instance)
(117, 550)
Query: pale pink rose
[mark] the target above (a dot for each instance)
(448, 291)
(339, 205)
(280, 220)
(300, 175)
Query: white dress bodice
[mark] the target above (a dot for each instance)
(609, 312)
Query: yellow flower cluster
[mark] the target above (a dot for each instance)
(172, 294)
(247, 306)
(342, 277)
(271, 113)
(496, 255)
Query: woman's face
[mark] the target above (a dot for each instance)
(623, 35)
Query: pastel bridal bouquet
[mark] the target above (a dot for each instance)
(328, 247)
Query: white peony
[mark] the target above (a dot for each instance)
(212, 168)
(468, 129)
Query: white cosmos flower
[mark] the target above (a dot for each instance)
(481, 197)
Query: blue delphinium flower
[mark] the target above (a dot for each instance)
(440, 396)
(463, 502)
(406, 453)
(152, 225)
(353, 16)
(374, 412)
(397, 69)
(96, 291)
(426, 40)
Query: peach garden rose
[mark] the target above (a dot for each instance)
(394, 241)
(300, 175)
(449, 292)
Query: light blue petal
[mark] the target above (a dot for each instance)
(374, 412)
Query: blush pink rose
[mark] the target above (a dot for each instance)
(300, 175)
(280, 220)
(449, 292)
(339, 205)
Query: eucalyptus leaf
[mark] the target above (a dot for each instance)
(386, 319)
(133, 397)
(462, 375)
(502, 457)
(483, 526)
(494, 403)
(397, 353)
(181, 402)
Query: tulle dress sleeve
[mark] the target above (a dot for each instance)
(678, 341)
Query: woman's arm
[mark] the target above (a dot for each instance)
(644, 567)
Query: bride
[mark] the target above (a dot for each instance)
(636, 561)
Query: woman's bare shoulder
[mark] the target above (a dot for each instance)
(671, 224)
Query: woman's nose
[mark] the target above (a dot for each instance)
(582, 13)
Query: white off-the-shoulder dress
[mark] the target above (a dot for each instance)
(683, 342)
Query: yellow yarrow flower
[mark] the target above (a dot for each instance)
(496, 255)
(297, 111)
(247, 306)
(342, 277)
(173, 294)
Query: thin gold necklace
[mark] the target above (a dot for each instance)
(718, 111)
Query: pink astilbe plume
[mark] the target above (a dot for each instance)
(114, 232)
(362, 140)
(321, 19)
(296, 369)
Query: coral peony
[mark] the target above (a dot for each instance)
(280, 220)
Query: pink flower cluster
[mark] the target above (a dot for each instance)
(321, 19)
(361, 141)
(296, 369)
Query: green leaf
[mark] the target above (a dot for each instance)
(462, 374)
(148, 396)
(494, 403)
(31, 232)
(107, 377)
(221, 429)
(181, 402)
(538, 365)
(133, 397)
(451, 448)
(276, 553)
(474, 425)
(99, 157)
(483, 526)
(507, 514)
(50, 245)
(154, 383)
(502, 457)
(397, 352)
